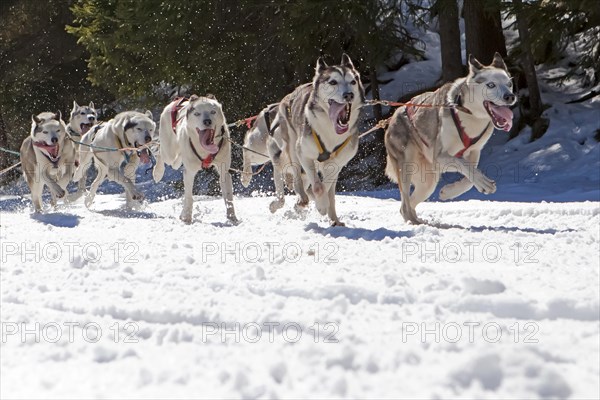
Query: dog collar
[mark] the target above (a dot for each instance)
(72, 131)
(206, 162)
(325, 155)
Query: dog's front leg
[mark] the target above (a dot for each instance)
(470, 171)
(188, 199)
(159, 168)
(50, 181)
(115, 174)
(453, 190)
(318, 188)
(227, 190)
(275, 153)
(129, 172)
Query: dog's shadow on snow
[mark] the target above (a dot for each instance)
(127, 213)
(58, 219)
(506, 229)
(357, 233)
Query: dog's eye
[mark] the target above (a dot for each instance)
(491, 85)
(213, 112)
(353, 82)
(197, 114)
(46, 132)
(333, 82)
(82, 113)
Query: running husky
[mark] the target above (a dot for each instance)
(194, 132)
(129, 129)
(47, 157)
(82, 120)
(318, 129)
(423, 142)
(255, 150)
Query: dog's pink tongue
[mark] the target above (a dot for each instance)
(145, 156)
(504, 112)
(206, 140)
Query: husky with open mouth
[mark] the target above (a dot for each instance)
(47, 158)
(423, 142)
(83, 118)
(194, 132)
(127, 130)
(318, 131)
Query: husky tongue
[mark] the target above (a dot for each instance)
(144, 156)
(51, 149)
(503, 113)
(207, 137)
(84, 128)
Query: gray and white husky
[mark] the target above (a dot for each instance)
(194, 132)
(129, 129)
(255, 150)
(423, 142)
(318, 129)
(83, 118)
(47, 158)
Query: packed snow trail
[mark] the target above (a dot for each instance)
(489, 300)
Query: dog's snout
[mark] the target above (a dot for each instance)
(509, 98)
(54, 140)
(148, 138)
(207, 122)
(348, 96)
(91, 117)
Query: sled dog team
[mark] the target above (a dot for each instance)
(308, 136)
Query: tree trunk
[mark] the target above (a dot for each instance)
(483, 29)
(452, 67)
(538, 124)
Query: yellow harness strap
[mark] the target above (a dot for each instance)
(325, 155)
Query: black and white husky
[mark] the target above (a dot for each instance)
(318, 131)
(83, 118)
(423, 142)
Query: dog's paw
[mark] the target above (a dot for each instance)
(137, 196)
(276, 205)
(60, 193)
(245, 179)
(158, 171)
(186, 218)
(485, 185)
(88, 201)
(445, 194)
(337, 223)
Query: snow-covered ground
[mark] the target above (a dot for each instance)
(491, 300)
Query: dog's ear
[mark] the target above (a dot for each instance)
(321, 65)
(346, 61)
(194, 97)
(210, 96)
(498, 62)
(474, 64)
(92, 105)
(148, 114)
(129, 124)
(75, 105)
(58, 115)
(35, 119)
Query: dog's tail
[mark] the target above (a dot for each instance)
(391, 168)
(168, 138)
